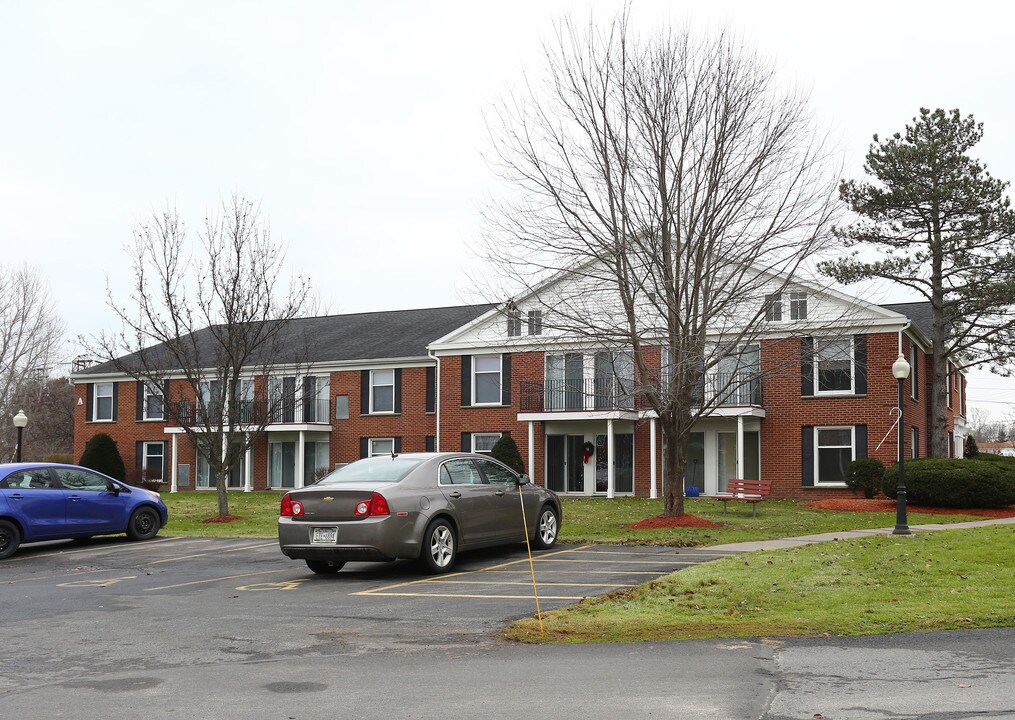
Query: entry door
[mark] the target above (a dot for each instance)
(576, 463)
(565, 466)
(727, 461)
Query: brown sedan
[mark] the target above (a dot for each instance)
(416, 505)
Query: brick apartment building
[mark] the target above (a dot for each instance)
(458, 378)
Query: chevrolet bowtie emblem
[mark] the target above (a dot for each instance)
(328, 499)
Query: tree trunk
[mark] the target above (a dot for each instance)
(674, 466)
(938, 435)
(223, 495)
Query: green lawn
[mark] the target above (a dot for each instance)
(931, 581)
(586, 520)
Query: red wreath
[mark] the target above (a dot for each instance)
(590, 449)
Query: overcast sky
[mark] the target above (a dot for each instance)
(359, 126)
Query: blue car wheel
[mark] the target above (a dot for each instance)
(143, 524)
(10, 539)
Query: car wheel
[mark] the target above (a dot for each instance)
(325, 567)
(143, 524)
(10, 538)
(439, 547)
(546, 529)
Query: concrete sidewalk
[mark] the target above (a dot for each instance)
(847, 534)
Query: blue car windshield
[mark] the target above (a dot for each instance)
(373, 470)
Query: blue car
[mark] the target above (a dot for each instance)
(48, 501)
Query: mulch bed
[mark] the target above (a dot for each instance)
(669, 522)
(223, 519)
(888, 505)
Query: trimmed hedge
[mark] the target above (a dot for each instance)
(955, 482)
(102, 454)
(865, 475)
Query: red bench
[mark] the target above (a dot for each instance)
(751, 491)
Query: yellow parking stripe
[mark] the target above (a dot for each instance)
(481, 597)
(217, 552)
(660, 554)
(63, 575)
(528, 584)
(618, 562)
(100, 552)
(216, 579)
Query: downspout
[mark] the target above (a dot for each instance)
(437, 400)
(904, 328)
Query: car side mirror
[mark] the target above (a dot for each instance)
(114, 488)
(524, 479)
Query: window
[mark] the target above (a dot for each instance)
(798, 306)
(76, 479)
(565, 382)
(39, 479)
(236, 474)
(484, 442)
(381, 446)
(316, 461)
(833, 453)
(497, 474)
(382, 391)
(282, 398)
(914, 372)
(535, 322)
(102, 409)
(514, 322)
(914, 440)
(209, 398)
(460, 472)
(153, 461)
(487, 380)
(773, 307)
(152, 407)
(833, 365)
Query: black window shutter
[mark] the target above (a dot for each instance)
(398, 391)
(466, 380)
(140, 400)
(115, 401)
(860, 363)
(431, 389)
(89, 401)
(860, 433)
(139, 452)
(364, 394)
(431, 443)
(807, 366)
(505, 388)
(807, 455)
(364, 447)
(398, 444)
(466, 442)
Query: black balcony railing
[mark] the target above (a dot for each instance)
(259, 412)
(720, 389)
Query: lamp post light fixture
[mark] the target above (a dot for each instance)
(20, 421)
(900, 369)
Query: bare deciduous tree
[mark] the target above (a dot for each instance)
(214, 322)
(672, 178)
(30, 335)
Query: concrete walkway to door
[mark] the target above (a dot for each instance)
(846, 534)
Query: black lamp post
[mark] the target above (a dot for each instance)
(900, 369)
(20, 421)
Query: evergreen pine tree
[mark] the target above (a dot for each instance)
(102, 454)
(506, 450)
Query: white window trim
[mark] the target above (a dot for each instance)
(773, 306)
(514, 323)
(500, 380)
(794, 304)
(497, 435)
(817, 367)
(914, 441)
(145, 455)
(370, 446)
(95, 402)
(914, 373)
(818, 448)
(150, 392)
(373, 385)
(535, 322)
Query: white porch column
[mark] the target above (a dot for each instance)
(740, 447)
(173, 486)
(532, 450)
(248, 472)
(610, 474)
(300, 460)
(652, 493)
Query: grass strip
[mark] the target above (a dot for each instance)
(932, 581)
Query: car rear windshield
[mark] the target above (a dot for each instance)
(372, 470)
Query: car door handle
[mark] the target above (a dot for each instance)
(16, 496)
(73, 497)
(455, 494)
(499, 493)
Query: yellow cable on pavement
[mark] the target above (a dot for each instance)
(532, 567)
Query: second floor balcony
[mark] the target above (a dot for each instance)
(721, 390)
(258, 412)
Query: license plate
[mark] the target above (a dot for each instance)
(324, 535)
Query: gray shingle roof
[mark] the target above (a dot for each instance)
(921, 313)
(359, 336)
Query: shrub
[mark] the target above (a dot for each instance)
(865, 475)
(102, 454)
(506, 450)
(971, 450)
(957, 483)
(65, 458)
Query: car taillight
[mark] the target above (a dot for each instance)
(376, 505)
(290, 507)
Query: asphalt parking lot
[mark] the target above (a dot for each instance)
(75, 610)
